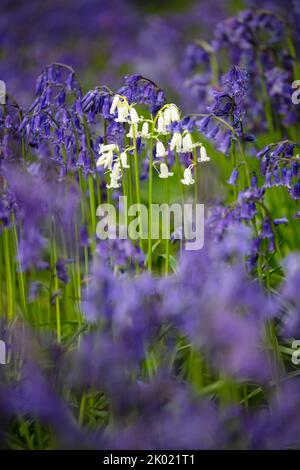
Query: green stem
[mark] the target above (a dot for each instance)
(21, 276)
(178, 171)
(150, 196)
(8, 268)
(82, 408)
(196, 176)
(56, 288)
(92, 203)
(137, 183)
(235, 189)
(296, 67)
(168, 235)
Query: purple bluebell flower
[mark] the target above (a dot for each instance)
(266, 231)
(142, 90)
(233, 177)
(61, 269)
(235, 83)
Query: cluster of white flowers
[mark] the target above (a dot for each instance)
(115, 161)
(111, 159)
(180, 143)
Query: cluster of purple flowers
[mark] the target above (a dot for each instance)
(280, 167)
(56, 139)
(256, 93)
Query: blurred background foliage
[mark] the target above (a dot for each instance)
(103, 39)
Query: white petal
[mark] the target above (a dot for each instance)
(203, 155)
(161, 128)
(187, 143)
(167, 116)
(114, 104)
(101, 160)
(134, 116)
(160, 149)
(175, 117)
(145, 130)
(123, 156)
(106, 147)
(176, 142)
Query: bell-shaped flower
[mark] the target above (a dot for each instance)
(175, 116)
(114, 104)
(160, 150)
(124, 162)
(164, 171)
(145, 131)
(187, 143)
(233, 177)
(131, 128)
(106, 159)
(176, 141)
(161, 127)
(167, 116)
(188, 177)
(114, 184)
(106, 147)
(116, 171)
(134, 117)
(115, 175)
(203, 155)
(122, 113)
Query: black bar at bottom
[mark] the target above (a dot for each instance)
(138, 458)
